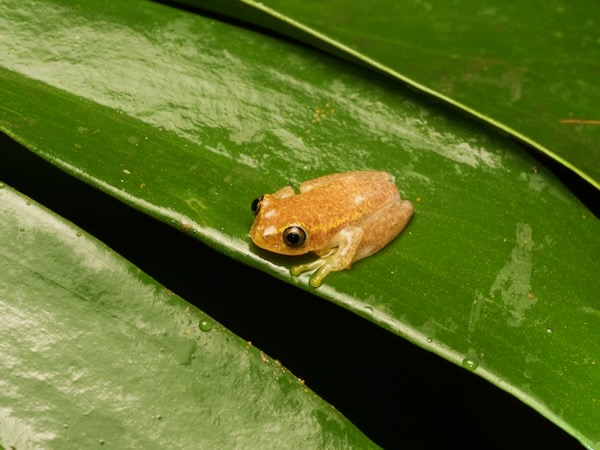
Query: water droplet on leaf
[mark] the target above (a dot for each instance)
(205, 325)
(470, 363)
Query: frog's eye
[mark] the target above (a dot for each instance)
(256, 203)
(294, 236)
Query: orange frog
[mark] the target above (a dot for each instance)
(341, 217)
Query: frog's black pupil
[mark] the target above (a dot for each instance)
(255, 207)
(294, 236)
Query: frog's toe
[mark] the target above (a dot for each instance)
(322, 266)
(319, 275)
(327, 263)
(300, 268)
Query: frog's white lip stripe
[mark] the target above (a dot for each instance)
(269, 231)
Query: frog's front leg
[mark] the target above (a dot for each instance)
(337, 258)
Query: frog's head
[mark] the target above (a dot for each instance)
(275, 228)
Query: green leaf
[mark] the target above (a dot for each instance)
(94, 351)
(188, 119)
(528, 68)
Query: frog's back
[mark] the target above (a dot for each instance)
(330, 202)
(349, 194)
(359, 180)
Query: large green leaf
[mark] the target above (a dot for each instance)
(529, 68)
(188, 119)
(94, 351)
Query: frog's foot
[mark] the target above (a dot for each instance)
(338, 258)
(323, 266)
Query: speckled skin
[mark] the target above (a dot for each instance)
(355, 213)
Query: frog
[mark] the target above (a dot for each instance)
(341, 217)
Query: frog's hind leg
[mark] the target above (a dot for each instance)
(338, 258)
(378, 233)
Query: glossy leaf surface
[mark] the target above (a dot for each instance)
(188, 119)
(529, 68)
(95, 352)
